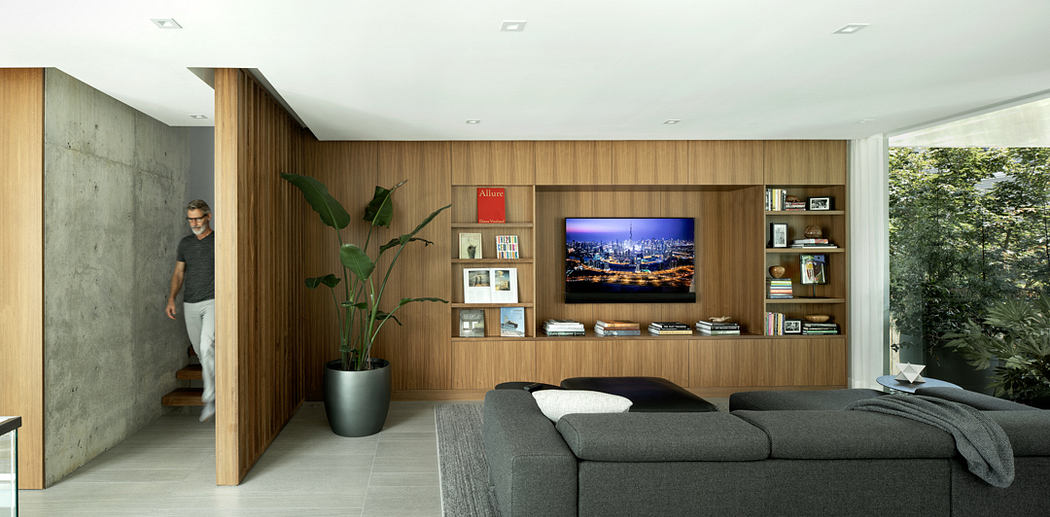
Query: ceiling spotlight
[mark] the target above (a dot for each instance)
(851, 28)
(513, 26)
(473, 121)
(198, 116)
(672, 121)
(166, 23)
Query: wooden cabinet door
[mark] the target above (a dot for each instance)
(573, 163)
(726, 162)
(805, 162)
(493, 163)
(650, 162)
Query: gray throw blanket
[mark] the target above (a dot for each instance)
(979, 440)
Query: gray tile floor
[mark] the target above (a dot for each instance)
(168, 468)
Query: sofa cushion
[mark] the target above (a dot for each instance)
(557, 403)
(706, 436)
(974, 399)
(835, 434)
(774, 400)
(649, 394)
(1027, 430)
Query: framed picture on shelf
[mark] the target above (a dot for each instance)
(477, 285)
(792, 326)
(471, 323)
(778, 235)
(821, 203)
(504, 285)
(470, 246)
(813, 269)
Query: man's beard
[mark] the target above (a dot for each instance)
(197, 231)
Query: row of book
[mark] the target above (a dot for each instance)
(780, 288)
(777, 324)
(777, 200)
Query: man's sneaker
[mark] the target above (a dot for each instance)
(207, 412)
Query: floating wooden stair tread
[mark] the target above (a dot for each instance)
(190, 373)
(183, 397)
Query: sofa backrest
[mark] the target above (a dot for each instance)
(837, 434)
(974, 399)
(644, 437)
(1029, 431)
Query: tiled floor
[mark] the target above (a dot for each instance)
(168, 468)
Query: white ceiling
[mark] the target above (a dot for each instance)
(582, 69)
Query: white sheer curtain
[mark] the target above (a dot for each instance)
(869, 259)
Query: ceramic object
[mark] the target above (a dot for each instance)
(817, 318)
(777, 271)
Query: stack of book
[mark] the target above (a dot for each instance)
(617, 328)
(724, 328)
(820, 328)
(554, 327)
(794, 205)
(666, 328)
(813, 244)
(774, 324)
(780, 288)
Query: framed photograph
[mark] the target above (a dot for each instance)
(477, 285)
(470, 246)
(778, 235)
(504, 285)
(813, 269)
(792, 326)
(512, 321)
(821, 203)
(471, 323)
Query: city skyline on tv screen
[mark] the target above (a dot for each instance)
(631, 260)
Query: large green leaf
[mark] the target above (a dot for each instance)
(425, 299)
(427, 220)
(384, 315)
(380, 210)
(356, 260)
(332, 213)
(330, 280)
(406, 238)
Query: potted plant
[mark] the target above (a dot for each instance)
(357, 385)
(1016, 335)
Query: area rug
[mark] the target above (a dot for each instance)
(461, 455)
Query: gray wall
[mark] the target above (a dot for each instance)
(115, 184)
(202, 168)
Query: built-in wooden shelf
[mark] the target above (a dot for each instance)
(805, 212)
(492, 225)
(805, 300)
(489, 305)
(494, 261)
(808, 251)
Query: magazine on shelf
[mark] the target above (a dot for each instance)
(471, 323)
(504, 285)
(507, 247)
(470, 246)
(512, 321)
(491, 205)
(477, 285)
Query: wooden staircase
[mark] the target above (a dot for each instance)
(186, 396)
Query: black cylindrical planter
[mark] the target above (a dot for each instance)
(357, 402)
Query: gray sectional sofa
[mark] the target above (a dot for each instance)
(795, 460)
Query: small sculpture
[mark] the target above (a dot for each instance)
(777, 271)
(813, 232)
(721, 319)
(910, 373)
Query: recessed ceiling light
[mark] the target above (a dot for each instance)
(199, 116)
(473, 121)
(671, 121)
(513, 26)
(166, 23)
(851, 28)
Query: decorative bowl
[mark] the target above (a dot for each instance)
(777, 271)
(817, 318)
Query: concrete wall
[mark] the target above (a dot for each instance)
(202, 168)
(115, 184)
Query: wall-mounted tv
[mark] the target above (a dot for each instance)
(629, 260)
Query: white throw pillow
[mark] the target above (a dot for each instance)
(557, 403)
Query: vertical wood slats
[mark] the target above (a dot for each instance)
(260, 381)
(22, 257)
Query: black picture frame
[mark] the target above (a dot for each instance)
(820, 203)
(778, 235)
(792, 326)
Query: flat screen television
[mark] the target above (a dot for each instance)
(629, 260)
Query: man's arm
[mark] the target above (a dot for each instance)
(176, 285)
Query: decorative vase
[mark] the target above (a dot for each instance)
(356, 402)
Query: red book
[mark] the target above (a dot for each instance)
(491, 207)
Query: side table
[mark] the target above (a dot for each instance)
(891, 382)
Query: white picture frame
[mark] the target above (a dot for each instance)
(477, 285)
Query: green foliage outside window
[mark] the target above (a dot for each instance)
(969, 227)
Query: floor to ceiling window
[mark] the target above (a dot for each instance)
(969, 230)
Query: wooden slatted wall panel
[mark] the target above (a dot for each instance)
(259, 323)
(22, 257)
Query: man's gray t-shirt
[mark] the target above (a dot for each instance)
(199, 256)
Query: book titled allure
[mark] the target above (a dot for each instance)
(491, 207)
